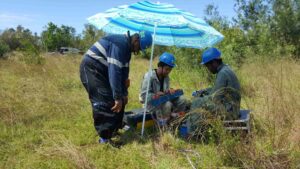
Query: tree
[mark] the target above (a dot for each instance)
(233, 46)
(9, 37)
(55, 37)
(285, 25)
(252, 13)
(213, 18)
(90, 35)
(13, 37)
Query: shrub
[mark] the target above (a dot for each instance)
(31, 53)
(4, 48)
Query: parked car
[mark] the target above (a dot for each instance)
(68, 50)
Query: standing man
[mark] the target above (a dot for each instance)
(104, 73)
(224, 97)
(160, 85)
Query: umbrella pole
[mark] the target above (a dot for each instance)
(148, 84)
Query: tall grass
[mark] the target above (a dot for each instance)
(46, 121)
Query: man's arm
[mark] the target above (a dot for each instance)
(143, 91)
(116, 65)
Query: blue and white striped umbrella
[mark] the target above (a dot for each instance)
(173, 26)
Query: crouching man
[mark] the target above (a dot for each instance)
(159, 86)
(223, 99)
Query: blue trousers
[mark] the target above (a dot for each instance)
(94, 77)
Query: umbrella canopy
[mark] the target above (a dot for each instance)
(174, 26)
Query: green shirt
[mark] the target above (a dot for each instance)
(224, 96)
(226, 78)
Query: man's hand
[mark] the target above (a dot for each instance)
(171, 91)
(125, 99)
(127, 83)
(157, 95)
(118, 106)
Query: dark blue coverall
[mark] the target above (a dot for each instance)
(103, 72)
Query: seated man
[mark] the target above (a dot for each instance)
(160, 85)
(223, 99)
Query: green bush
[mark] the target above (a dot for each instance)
(31, 53)
(4, 48)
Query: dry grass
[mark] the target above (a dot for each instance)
(276, 102)
(46, 122)
(270, 90)
(63, 148)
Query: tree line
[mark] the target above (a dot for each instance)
(51, 39)
(269, 28)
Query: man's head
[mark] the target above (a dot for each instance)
(166, 64)
(211, 58)
(141, 41)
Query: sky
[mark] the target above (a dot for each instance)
(36, 14)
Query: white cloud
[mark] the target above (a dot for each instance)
(15, 18)
(11, 20)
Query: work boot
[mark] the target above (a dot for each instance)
(115, 144)
(103, 140)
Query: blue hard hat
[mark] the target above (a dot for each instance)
(145, 39)
(210, 54)
(168, 59)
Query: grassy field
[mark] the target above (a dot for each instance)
(46, 122)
